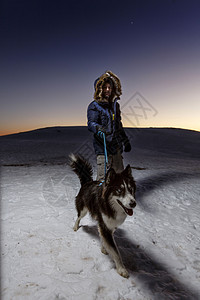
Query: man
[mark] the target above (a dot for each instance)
(104, 116)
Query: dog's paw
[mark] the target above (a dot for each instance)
(103, 250)
(123, 272)
(76, 227)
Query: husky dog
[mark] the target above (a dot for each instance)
(108, 203)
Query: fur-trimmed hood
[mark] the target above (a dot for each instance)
(99, 82)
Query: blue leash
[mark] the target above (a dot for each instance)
(102, 135)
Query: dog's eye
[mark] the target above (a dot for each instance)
(131, 190)
(119, 190)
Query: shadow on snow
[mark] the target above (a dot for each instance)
(153, 275)
(151, 183)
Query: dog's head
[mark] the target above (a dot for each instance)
(120, 189)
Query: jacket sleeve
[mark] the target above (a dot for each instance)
(93, 117)
(121, 129)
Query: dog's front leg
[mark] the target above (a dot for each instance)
(110, 247)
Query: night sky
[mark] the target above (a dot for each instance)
(52, 52)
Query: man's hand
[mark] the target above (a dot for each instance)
(101, 130)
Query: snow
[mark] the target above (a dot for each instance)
(43, 258)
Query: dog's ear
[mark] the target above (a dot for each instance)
(110, 175)
(128, 171)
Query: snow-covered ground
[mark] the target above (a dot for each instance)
(43, 258)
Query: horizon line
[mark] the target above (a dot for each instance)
(65, 126)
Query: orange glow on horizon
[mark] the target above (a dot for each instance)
(26, 129)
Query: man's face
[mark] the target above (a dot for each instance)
(107, 90)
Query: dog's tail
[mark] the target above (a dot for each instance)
(81, 167)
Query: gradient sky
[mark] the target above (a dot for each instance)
(52, 51)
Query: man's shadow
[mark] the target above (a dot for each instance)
(153, 275)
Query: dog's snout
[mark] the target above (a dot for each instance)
(132, 204)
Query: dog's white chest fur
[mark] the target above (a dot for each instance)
(111, 223)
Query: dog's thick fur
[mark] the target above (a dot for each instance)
(108, 203)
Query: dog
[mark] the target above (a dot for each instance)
(108, 203)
